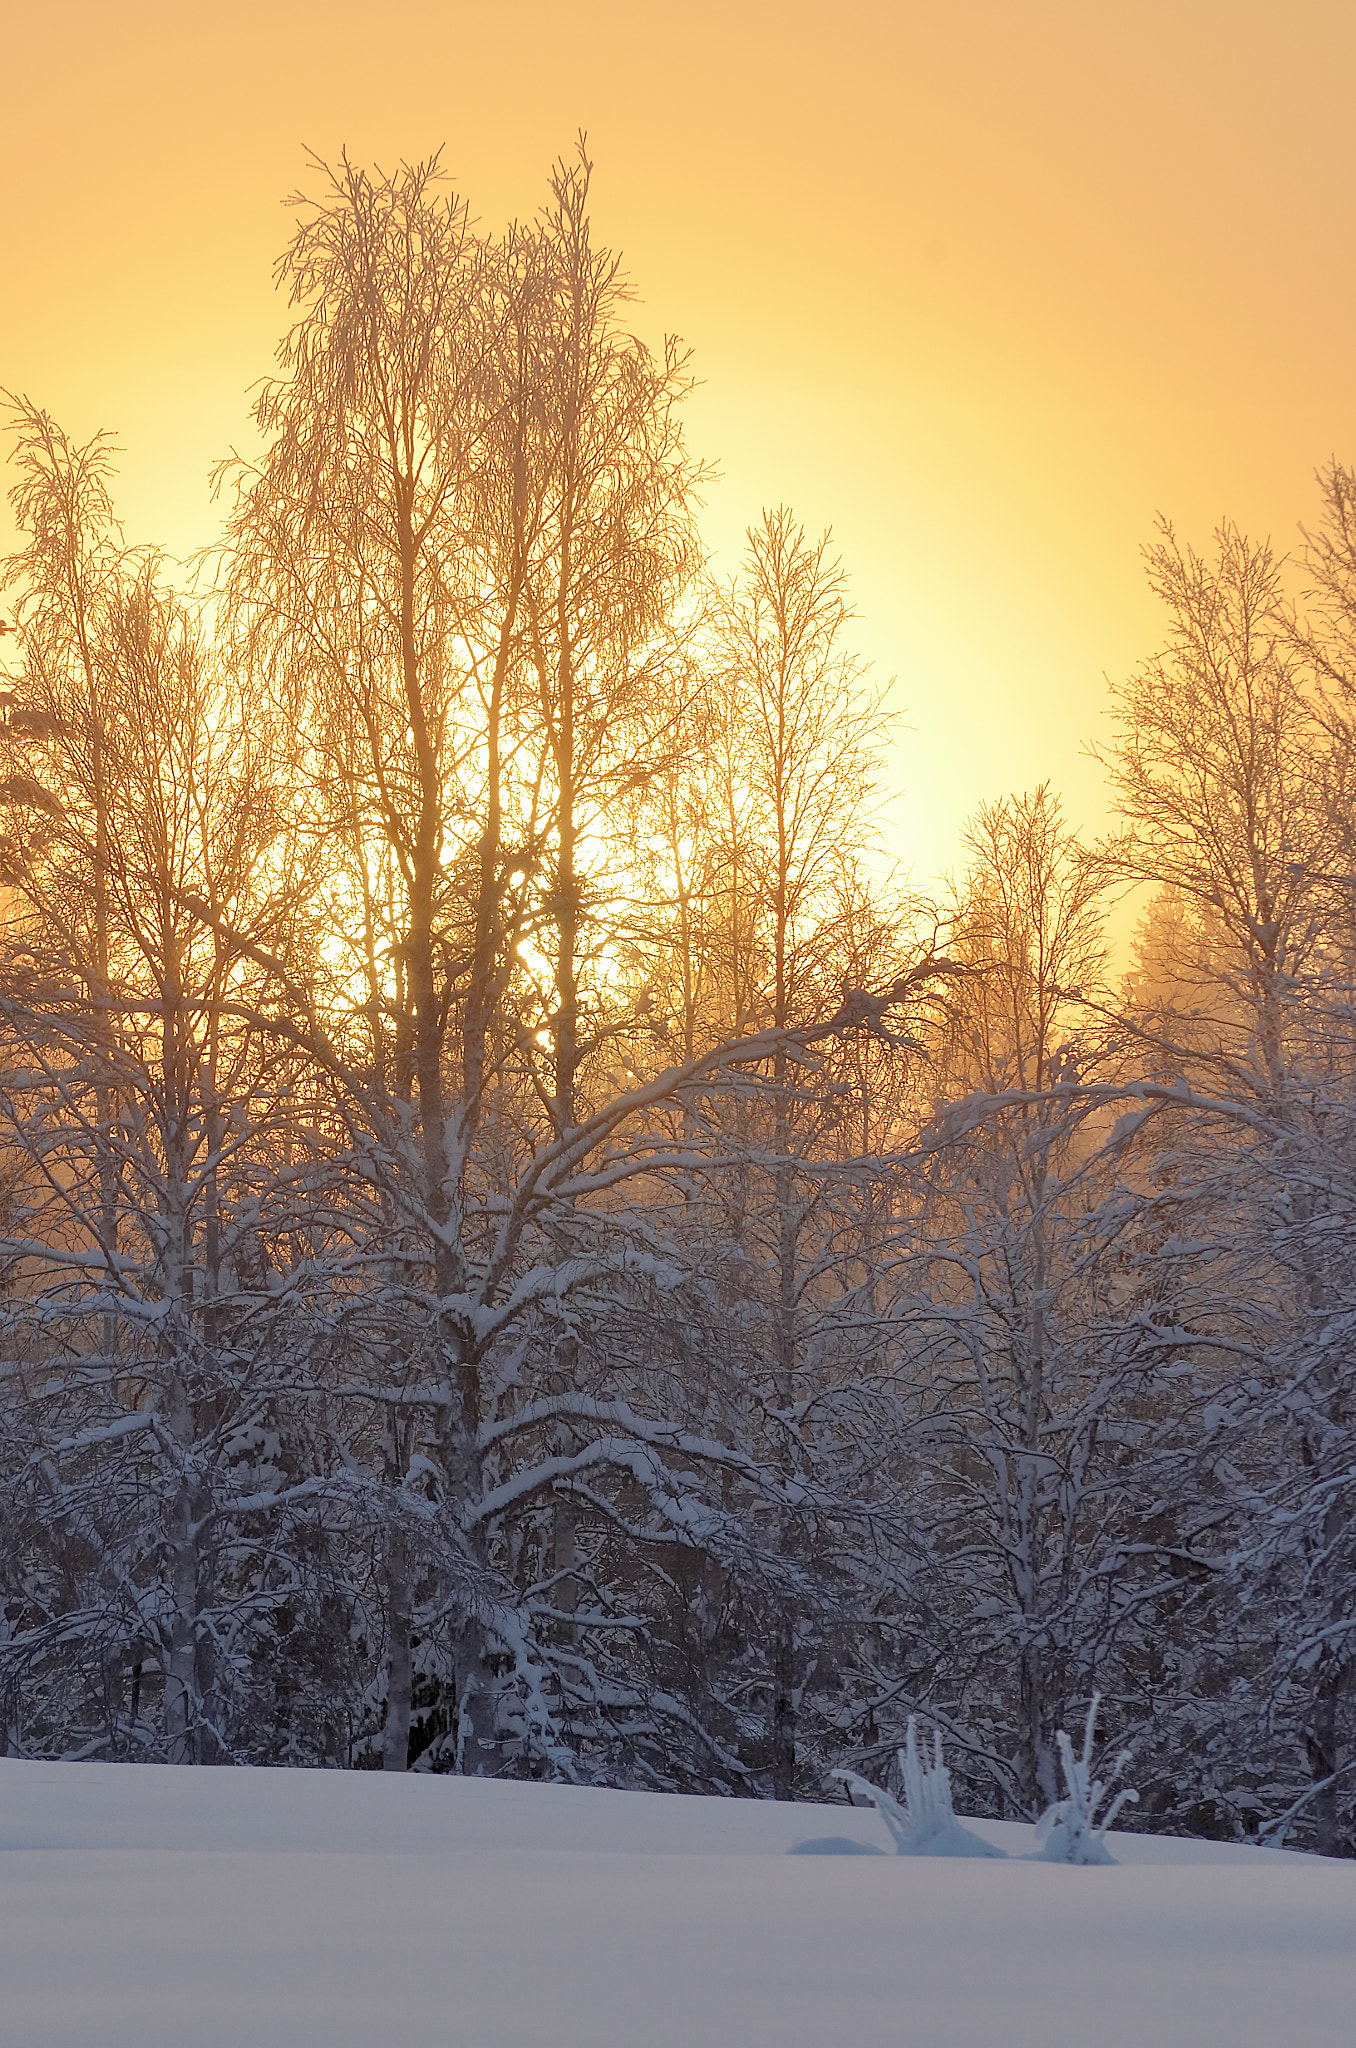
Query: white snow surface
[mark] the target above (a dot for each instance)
(307, 1909)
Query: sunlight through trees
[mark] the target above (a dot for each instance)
(522, 1253)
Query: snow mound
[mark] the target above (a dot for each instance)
(144, 1907)
(833, 1845)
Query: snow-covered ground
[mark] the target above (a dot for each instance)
(294, 1909)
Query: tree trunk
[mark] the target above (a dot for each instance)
(181, 1664)
(395, 1751)
(784, 1711)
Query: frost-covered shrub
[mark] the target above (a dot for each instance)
(1069, 1831)
(926, 1824)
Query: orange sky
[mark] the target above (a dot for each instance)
(983, 286)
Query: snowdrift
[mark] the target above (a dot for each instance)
(291, 1909)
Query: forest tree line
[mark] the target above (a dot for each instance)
(519, 1253)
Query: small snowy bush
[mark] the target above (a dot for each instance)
(1069, 1831)
(926, 1824)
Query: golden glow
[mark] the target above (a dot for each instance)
(982, 286)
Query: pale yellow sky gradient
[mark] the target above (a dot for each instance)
(982, 286)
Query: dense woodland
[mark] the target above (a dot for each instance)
(519, 1253)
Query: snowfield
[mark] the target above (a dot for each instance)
(306, 1909)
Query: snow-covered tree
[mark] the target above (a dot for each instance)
(157, 1316)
